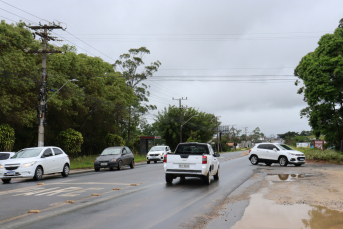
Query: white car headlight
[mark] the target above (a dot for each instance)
(1, 166)
(292, 154)
(29, 164)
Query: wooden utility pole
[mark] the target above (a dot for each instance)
(217, 133)
(42, 94)
(180, 107)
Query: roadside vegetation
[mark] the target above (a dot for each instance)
(331, 156)
(87, 162)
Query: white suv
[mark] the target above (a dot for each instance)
(157, 153)
(269, 153)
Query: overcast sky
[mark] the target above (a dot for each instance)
(234, 59)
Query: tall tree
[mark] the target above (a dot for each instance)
(321, 75)
(168, 122)
(129, 64)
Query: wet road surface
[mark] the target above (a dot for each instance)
(150, 204)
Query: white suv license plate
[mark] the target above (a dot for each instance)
(185, 166)
(103, 164)
(12, 173)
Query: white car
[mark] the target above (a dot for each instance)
(269, 153)
(192, 159)
(34, 162)
(6, 155)
(157, 153)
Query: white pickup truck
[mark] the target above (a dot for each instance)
(192, 159)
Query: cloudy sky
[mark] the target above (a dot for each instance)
(234, 59)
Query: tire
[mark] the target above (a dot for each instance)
(120, 165)
(268, 164)
(283, 161)
(216, 177)
(155, 161)
(169, 178)
(207, 178)
(254, 160)
(298, 165)
(96, 169)
(6, 181)
(148, 162)
(38, 173)
(111, 168)
(132, 165)
(182, 178)
(65, 171)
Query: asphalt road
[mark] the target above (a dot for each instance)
(150, 204)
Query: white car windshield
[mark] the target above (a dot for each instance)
(157, 148)
(25, 153)
(285, 147)
(111, 151)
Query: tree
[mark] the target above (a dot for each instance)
(194, 136)
(234, 133)
(306, 133)
(7, 137)
(321, 75)
(289, 134)
(96, 105)
(256, 134)
(129, 64)
(168, 124)
(70, 141)
(114, 140)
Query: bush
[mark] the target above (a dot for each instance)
(70, 141)
(322, 155)
(7, 137)
(114, 140)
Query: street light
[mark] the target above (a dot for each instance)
(74, 80)
(182, 126)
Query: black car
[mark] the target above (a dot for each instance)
(114, 157)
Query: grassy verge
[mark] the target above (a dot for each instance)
(331, 156)
(87, 162)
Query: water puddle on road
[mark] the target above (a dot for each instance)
(286, 177)
(263, 213)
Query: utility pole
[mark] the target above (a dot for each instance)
(180, 107)
(42, 94)
(217, 133)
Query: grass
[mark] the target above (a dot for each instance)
(87, 162)
(331, 156)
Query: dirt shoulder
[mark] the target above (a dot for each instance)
(309, 196)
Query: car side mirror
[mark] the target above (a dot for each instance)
(42, 156)
(217, 155)
(275, 149)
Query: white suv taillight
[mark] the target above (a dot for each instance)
(165, 158)
(204, 159)
(249, 150)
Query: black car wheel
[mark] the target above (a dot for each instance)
(65, 171)
(155, 161)
(169, 178)
(132, 165)
(254, 160)
(120, 165)
(111, 168)
(148, 162)
(216, 177)
(96, 169)
(208, 178)
(38, 173)
(283, 161)
(6, 181)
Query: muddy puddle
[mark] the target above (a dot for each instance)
(263, 213)
(286, 177)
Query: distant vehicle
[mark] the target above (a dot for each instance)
(269, 153)
(34, 163)
(6, 155)
(114, 157)
(192, 159)
(157, 153)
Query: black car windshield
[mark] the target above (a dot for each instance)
(4, 156)
(157, 148)
(111, 151)
(285, 147)
(25, 153)
(192, 149)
